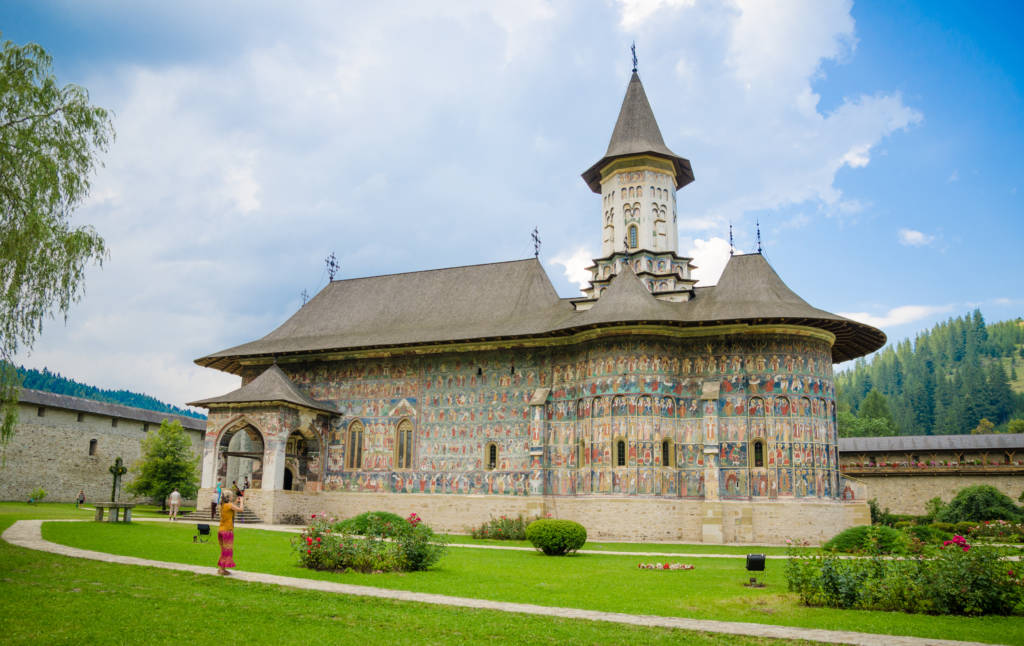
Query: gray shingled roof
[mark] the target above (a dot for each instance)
(907, 443)
(516, 300)
(636, 132)
(79, 404)
(271, 386)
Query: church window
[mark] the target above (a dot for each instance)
(403, 445)
(355, 446)
(639, 191)
(758, 450)
(632, 192)
(81, 417)
(666, 453)
(623, 193)
(632, 236)
(620, 453)
(492, 456)
(145, 427)
(113, 422)
(41, 411)
(92, 447)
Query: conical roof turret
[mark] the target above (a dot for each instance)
(636, 132)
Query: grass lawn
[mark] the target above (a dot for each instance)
(597, 582)
(50, 599)
(674, 548)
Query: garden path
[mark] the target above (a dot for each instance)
(28, 534)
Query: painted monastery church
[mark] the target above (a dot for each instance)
(650, 407)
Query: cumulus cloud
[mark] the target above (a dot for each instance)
(912, 238)
(898, 315)
(574, 265)
(710, 256)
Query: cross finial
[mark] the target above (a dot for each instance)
(305, 297)
(535, 236)
(633, 49)
(332, 266)
(758, 223)
(730, 239)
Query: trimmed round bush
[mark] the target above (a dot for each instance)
(964, 527)
(373, 523)
(944, 527)
(556, 537)
(928, 534)
(869, 539)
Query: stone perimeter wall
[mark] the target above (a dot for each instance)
(908, 494)
(52, 452)
(623, 518)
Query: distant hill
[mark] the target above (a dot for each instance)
(55, 383)
(944, 382)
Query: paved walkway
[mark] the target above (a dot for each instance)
(28, 534)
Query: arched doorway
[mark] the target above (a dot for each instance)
(240, 456)
(302, 470)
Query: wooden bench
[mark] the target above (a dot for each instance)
(115, 511)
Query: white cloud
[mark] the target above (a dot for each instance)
(574, 264)
(710, 256)
(898, 315)
(912, 238)
(635, 12)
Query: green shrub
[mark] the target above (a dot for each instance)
(950, 580)
(928, 534)
(415, 547)
(964, 527)
(37, 494)
(999, 531)
(502, 529)
(979, 503)
(944, 527)
(868, 539)
(902, 524)
(373, 523)
(878, 516)
(556, 537)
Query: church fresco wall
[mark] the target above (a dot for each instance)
(773, 388)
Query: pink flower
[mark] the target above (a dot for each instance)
(309, 541)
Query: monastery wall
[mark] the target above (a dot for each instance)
(909, 494)
(53, 452)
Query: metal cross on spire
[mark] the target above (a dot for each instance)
(332, 266)
(730, 239)
(633, 49)
(535, 236)
(758, 223)
(305, 297)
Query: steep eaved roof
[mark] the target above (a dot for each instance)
(991, 441)
(501, 299)
(82, 405)
(271, 386)
(636, 132)
(516, 300)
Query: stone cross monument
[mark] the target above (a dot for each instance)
(118, 470)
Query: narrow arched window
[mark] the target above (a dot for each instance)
(620, 453)
(666, 453)
(492, 456)
(92, 447)
(632, 236)
(355, 446)
(758, 453)
(403, 445)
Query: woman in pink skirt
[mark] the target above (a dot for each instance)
(226, 533)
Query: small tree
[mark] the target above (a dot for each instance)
(167, 464)
(984, 427)
(979, 503)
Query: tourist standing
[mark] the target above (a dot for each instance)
(80, 500)
(214, 501)
(175, 502)
(226, 533)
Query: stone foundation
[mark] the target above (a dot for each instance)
(606, 518)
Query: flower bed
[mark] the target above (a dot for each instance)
(665, 566)
(408, 547)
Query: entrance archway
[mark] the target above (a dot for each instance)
(302, 461)
(240, 456)
(288, 479)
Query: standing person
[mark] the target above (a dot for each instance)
(214, 501)
(80, 500)
(175, 502)
(226, 533)
(235, 489)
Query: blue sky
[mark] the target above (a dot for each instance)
(878, 144)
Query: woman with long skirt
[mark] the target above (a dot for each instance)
(226, 533)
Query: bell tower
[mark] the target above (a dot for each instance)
(637, 180)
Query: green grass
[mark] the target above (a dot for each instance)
(597, 582)
(667, 548)
(50, 599)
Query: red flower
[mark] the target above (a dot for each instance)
(309, 541)
(666, 566)
(317, 539)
